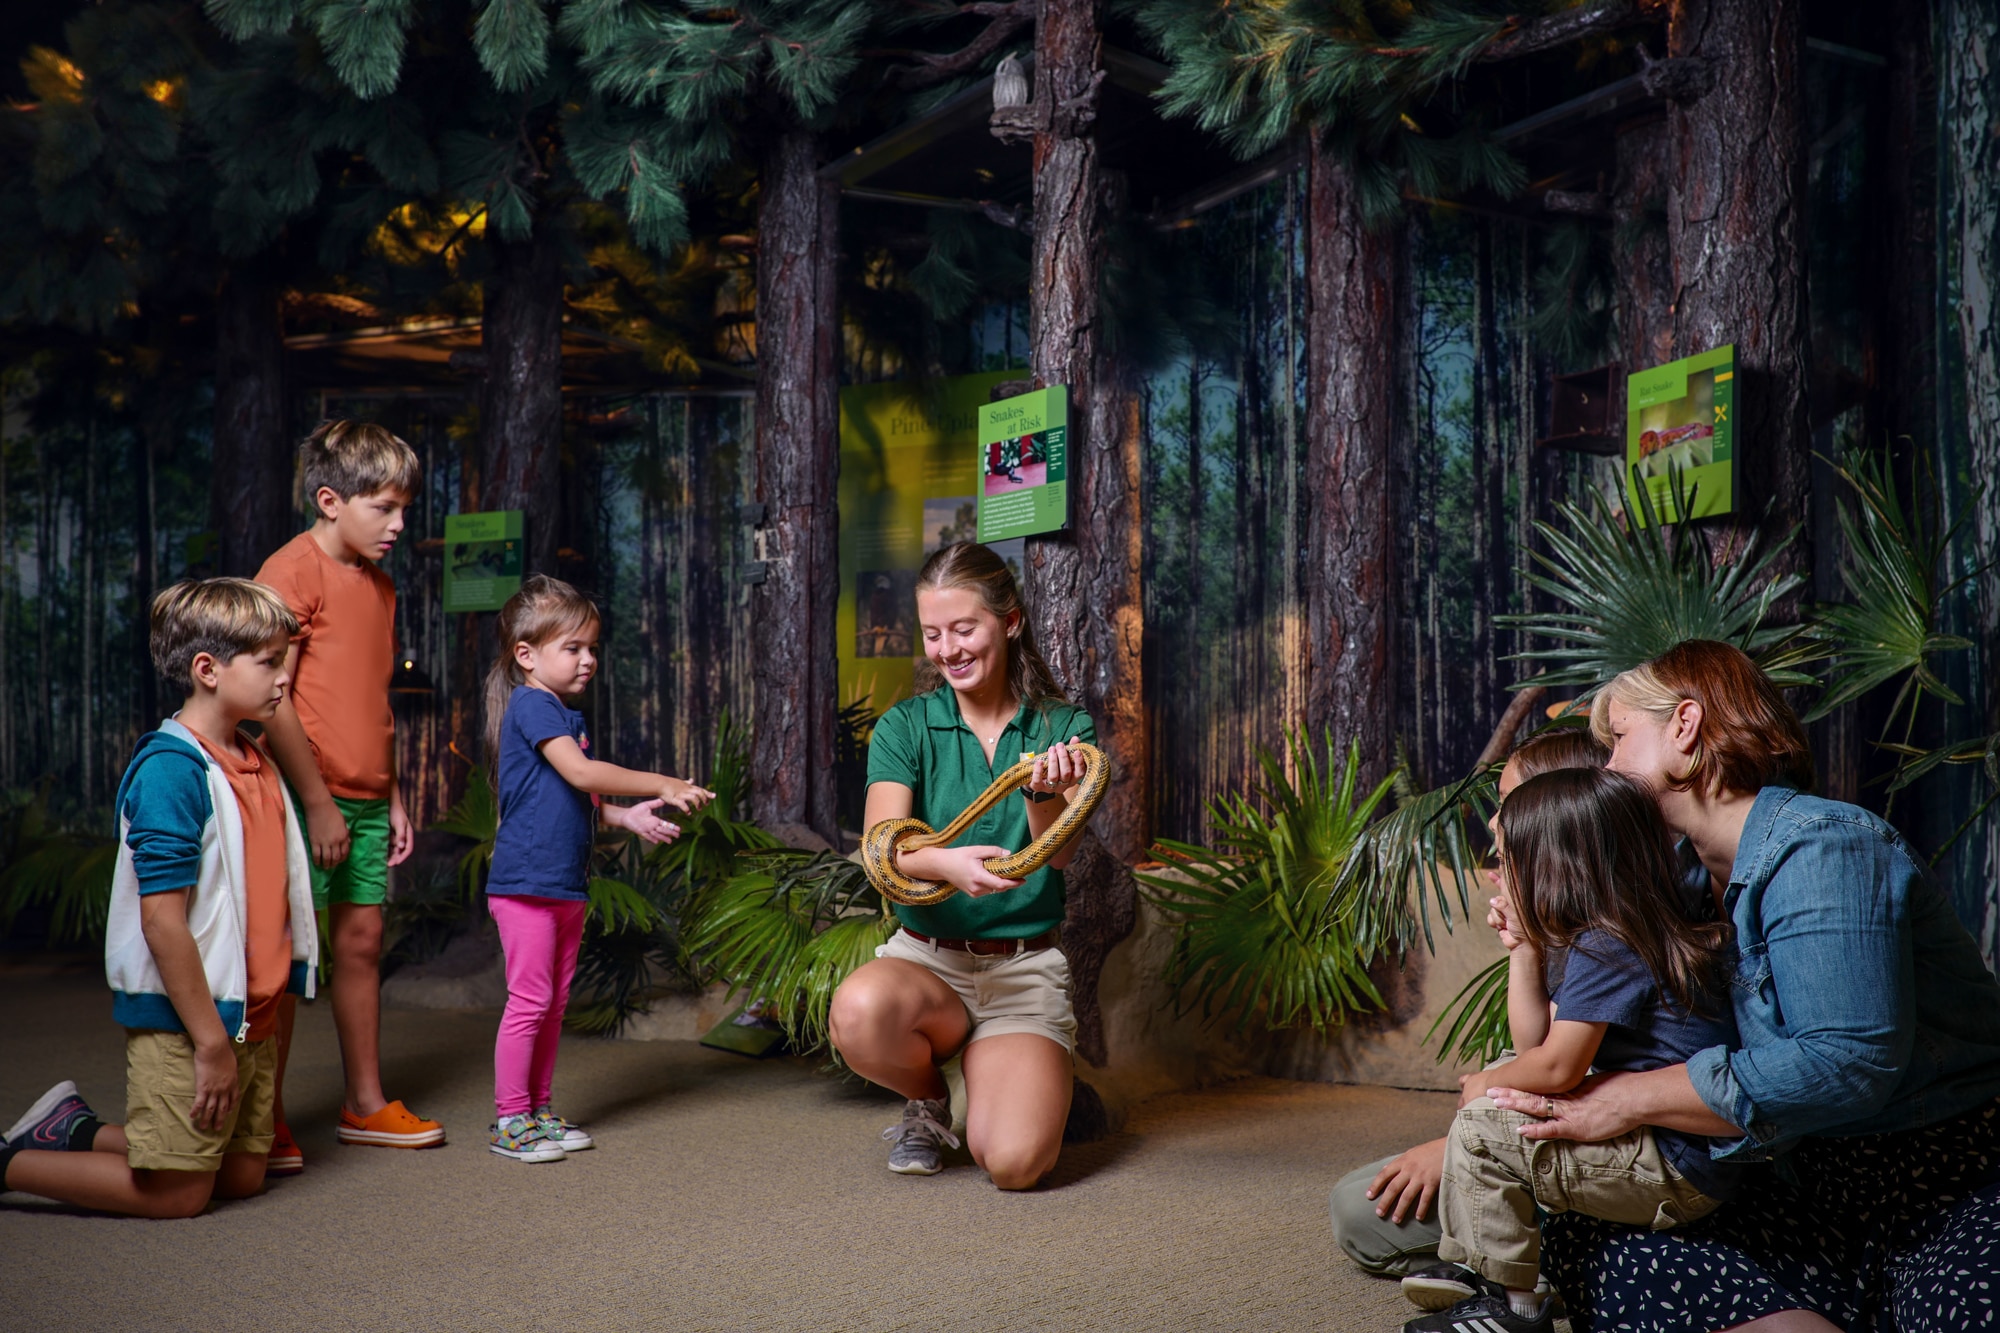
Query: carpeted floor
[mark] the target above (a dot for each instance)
(726, 1194)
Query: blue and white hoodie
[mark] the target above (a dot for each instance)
(179, 826)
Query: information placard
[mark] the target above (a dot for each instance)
(1024, 465)
(1678, 418)
(482, 560)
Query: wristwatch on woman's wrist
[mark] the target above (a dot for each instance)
(1039, 796)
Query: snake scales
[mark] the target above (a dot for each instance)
(880, 843)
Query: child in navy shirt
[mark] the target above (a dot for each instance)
(537, 888)
(1590, 878)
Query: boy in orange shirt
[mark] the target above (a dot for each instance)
(334, 737)
(210, 921)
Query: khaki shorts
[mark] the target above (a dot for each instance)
(159, 1103)
(1026, 992)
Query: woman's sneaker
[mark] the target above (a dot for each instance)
(919, 1137)
(519, 1137)
(568, 1137)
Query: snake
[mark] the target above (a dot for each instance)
(882, 841)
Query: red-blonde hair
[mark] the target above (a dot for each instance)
(1749, 737)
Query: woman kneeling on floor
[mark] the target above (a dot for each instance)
(979, 974)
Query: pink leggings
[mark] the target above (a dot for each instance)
(540, 937)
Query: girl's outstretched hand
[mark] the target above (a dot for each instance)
(683, 795)
(642, 820)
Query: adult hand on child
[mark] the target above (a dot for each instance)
(642, 821)
(684, 796)
(1591, 1112)
(1408, 1183)
(215, 1090)
(326, 829)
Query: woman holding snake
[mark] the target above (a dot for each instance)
(979, 974)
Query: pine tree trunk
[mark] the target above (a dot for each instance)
(1645, 271)
(7, 734)
(45, 485)
(250, 497)
(1736, 232)
(1350, 426)
(146, 449)
(1083, 586)
(520, 396)
(798, 466)
(86, 728)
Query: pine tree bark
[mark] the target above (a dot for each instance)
(1083, 585)
(1350, 429)
(796, 690)
(1645, 271)
(251, 506)
(520, 396)
(1736, 232)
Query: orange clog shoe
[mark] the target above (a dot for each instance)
(285, 1158)
(394, 1126)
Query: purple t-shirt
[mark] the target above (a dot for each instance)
(543, 847)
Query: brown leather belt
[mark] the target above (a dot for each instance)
(989, 948)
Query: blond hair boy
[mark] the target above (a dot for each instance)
(334, 737)
(210, 923)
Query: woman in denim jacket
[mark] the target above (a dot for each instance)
(1869, 1063)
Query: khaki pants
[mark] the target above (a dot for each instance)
(1493, 1178)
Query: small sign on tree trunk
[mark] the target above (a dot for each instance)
(1679, 418)
(482, 560)
(1024, 465)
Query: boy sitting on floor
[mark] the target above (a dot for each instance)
(210, 922)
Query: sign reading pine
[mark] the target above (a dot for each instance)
(1024, 465)
(482, 560)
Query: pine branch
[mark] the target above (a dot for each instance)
(927, 68)
(1514, 38)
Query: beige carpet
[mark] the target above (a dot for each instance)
(726, 1194)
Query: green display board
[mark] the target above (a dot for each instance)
(1679, 417)
(482, 560)
(1023, 460)
(908, 485)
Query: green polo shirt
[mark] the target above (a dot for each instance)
(924, 744)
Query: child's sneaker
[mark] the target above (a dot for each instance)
(285, 1158)
(568, 1137)
(520, 1138)
(394, 1126)
(919, 1138)
(51, 1122)
(1488, 1312)
(1442, 1285)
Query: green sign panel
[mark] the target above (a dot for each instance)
(1680, 418)
(482, 560)
(1024, 465)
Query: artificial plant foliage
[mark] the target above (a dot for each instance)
(1629, 590)
(63, 871)
(1266, 927)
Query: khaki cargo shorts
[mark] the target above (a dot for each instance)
(159, 1103)
(1025, 992)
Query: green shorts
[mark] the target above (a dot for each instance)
(363, 878)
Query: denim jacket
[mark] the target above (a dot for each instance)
(1862, 1005)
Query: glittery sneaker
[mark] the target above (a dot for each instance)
(919, 1138)
(520, 1138)
(568, 1137)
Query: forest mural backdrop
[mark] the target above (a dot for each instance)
(108, 450)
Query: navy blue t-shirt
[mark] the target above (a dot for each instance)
(543, 847)
(1603, 981)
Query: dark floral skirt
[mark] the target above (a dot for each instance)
(1879, 1232)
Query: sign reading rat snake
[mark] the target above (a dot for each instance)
(880, 844)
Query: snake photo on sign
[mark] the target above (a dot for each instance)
(880, 843)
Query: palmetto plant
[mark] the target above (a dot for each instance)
(786, 930)
(1628, 591)
(49, 867)
(1302, 890)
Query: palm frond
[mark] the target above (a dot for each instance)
(64, 871)
(1264, 929)
(475, 816)
(1475, 1022)
(1628, 591)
